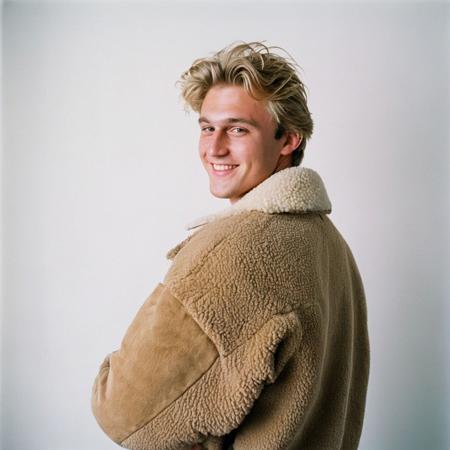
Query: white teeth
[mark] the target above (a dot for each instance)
(223, 166)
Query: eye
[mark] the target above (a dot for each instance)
(207, 129)
(239, 130)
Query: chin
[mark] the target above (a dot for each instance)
(219, 195)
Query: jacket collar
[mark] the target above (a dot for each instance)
(291, 190)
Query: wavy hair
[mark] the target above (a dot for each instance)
(264, 75)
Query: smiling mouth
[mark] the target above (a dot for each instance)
(223, 169)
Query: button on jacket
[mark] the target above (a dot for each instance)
(256, 338)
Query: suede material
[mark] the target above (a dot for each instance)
(162, 354)
(222, 398)
(264, 330)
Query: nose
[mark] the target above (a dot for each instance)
(217, 144)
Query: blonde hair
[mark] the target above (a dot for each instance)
(264, 75)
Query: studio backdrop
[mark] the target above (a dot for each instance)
(100, 174)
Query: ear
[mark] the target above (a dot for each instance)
(291, 141)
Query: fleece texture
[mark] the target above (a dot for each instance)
(256, 338)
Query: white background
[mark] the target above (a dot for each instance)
(100, 175)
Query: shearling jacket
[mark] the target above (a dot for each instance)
(256, 338)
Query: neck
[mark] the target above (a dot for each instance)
(284, 161)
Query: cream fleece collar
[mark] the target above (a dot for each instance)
(294, 189)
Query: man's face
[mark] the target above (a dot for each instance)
(238, 130)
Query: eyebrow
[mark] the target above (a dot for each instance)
(232, 120)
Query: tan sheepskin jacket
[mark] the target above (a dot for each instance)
(256, 339)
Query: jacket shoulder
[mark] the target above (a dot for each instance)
(238, 272)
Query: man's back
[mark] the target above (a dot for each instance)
(321, 390)
(297, 267)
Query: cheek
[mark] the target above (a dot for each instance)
(201, 147)
(203, 143)
(253, 152)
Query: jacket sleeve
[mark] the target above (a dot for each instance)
(168, 387)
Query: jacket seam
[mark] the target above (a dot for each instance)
(173, 401)
(192, 317)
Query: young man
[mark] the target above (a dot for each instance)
(257, 337)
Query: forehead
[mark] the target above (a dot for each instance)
(230, 103)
